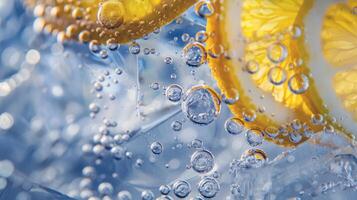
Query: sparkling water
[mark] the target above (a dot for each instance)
(145, 121)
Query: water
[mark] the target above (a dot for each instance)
(89, 121)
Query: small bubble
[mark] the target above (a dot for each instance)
(277, 75)
(329, 129)
(168, 60)
(174, 93)
(295, 137)
(118, 71)
(124, 195)
(185, 37)
(6, 121)
(317, 119)
(111, 14)
(33, 57)
(253, 158)
(176, 125)
(156, 148)
(155, 86)
(147, 195)
(249, 115)
(164, 198)
(277, 53)
(295, 31)
(181, 189)
(98, 86)
(112, 44)
(208, 187)
(231, 99)
(94, 108)
(195, 54)
(134, 48)
(204, 8)
(252, 67)
(202, 161)
(298, 83)
(271, 131)
(201, 105)
(7, 168)
(164, 189)
(234, 126)
(139, 162)
(201, 36)
(89, 172)
(94, 46)
(254, 137)
(197, 144)
(105, 188)
(118, 152)
(103, 54)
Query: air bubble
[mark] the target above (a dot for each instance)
(201, 105)
(204, 8)
(317, 119)
(249, 115)
(176, 125)
(6, 121)
(253, 158)
(111, 14)
(201, 36)
(105, 188)
(164, 189)
(271, 131)
(298, 83)
(252, 67)
(231, 99)
(234, 126)
(202, 161)
(124, 195)
(254, 137)
(277, 53)
(168, 60)
(295, 137)
(156, 148)
(134, 48)
(181, 189)
(277, 75)
(147, 195)
(155, 86)
(295, 31)
(185, 37)
(195, 54)
(174, 93)
(208, 187)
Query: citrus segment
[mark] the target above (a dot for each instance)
(339, 36)
(345, 85)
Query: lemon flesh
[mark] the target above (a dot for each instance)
(333, 46)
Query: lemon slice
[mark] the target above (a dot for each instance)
(331, 35)
(106, 21)
(258, 49)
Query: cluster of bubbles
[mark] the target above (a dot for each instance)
(250, 159)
